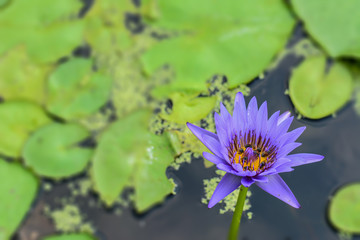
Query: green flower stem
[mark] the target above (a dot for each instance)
(235, 223)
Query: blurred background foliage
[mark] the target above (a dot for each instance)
(106, 86)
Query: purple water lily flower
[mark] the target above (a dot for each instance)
(251, 148)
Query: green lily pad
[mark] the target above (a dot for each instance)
(317, 92)
(25, 84)
(3, 2)
(79, 236)
(238, 39)
(48, 32)
(75, 91)
(344, 209)
(335, 26)
(129, 155)
(53, 150)
(18, 189)
(189, 108)
(17, 120)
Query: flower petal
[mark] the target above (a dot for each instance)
(280, 162)
(282, 127)
(221, 130)
(226, 168)
(272, 123)
(303, 158)
(291, 136)
(247, 181)
(284, 168)
(252, 113)
(261, 178)
(213, 145)
(283, 117)
(213, 158)
(239, 114)
(285, 150)
(227, 185)
(199, 132)
(278, 188)
(261, 120)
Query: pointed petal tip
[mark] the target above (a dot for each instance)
(238, 96)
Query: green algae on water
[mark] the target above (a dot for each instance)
(229, 202)
(69, 219)
(185, 144)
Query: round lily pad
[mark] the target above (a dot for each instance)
(3, 2)
(18, 188)
(317, 91)
(81, 236)
(335, 26)
(54, 150)
(17, 120)
(27, 84)
(129, 155)
(236, 38)
(344, 209)
(75, 90)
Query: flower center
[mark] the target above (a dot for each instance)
(251, 153)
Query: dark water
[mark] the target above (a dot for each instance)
(184, 217)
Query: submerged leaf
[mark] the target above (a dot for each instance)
(75, 236)
(54, 150)
(189, 108)
(238, 39)
(21, 78)
(18, 189)
(48, 29)
(318, 92)
(344, 209)
(334, 25)
(74, 90)
(129, 155)
(17, 120)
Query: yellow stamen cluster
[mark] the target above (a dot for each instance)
(251, 153)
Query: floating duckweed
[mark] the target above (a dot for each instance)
(345, 236)
(183, 158)
(229, 201)
(69, 219)
(80, 187)
(185, 144)
(47, 187)
(304, 48)
(97, 121)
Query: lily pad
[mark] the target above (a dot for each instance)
(20, 77)
(48, 32)
(17, 120)
(238, 39)
(53, 150)
(129, 155)
(75, 90)
(335, 26)
(18, 189)
(79, 236)
(3, 2)
(317, 91)
(344, 209)
(189, 108)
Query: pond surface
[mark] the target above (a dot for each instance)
(183, 216)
